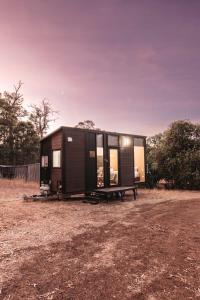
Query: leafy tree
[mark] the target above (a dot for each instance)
(153, 152)
(11, 110)
(41, 116)
(26, 143)
(182, 154)
(176, 155)
(19, 138)
(87, 124)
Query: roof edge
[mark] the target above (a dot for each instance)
(92, 130)
(51, 133)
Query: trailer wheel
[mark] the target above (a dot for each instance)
(118, 195)
(109, 196)
(122, 196)
(87, 194)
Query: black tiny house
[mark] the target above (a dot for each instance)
(80, 160)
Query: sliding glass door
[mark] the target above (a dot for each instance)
(139, 162)
(107, 160)
(114, 166)
(100, 160)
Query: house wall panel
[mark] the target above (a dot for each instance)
(56, 140)
(45, 150)
(91, 167)
(74, 145)
(56, 173)
(126, 166)
(56, 176)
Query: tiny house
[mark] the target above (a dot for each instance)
(80, 160)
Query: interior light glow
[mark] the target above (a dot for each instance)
(126, 141)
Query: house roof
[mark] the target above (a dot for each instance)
(92, 130)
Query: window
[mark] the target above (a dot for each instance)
(114, 168)
(44, 161)
(126, 141)
(100, 160)
(56, 159)
(138, 142)
(139, 165)
(99, 140)
(113, 140)
(92, 154)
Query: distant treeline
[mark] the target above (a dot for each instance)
(174, 156)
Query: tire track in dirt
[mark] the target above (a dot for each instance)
(149, 254)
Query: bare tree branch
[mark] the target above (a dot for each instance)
(41, 116)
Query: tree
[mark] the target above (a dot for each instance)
(87, 124)
(41, 116)
(153, 151)
(26, 143)
(19, 137)
(11, 110)
(182, 154)
(176, 155)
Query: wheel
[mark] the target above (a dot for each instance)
(109, 196)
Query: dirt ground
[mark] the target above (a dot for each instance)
(144, 249)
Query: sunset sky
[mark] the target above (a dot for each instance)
(129, 65)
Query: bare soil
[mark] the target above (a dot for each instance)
(143, 249)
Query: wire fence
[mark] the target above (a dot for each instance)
(29, 172)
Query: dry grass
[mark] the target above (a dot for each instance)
(145, 249)
(18, 183)
(12, 189)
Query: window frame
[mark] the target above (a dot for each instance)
(118, 164)
(57, 150)
(139, 142)
(44, 159)
(103, 160)
(118, 141)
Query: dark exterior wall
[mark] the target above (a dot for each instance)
(91, 165)
(56, 173)
(75, 158)
(56, 140)
(45, 150)
(56, 176)
(126, 166)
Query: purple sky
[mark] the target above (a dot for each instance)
(129, 65)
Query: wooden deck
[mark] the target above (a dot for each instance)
(117, 191)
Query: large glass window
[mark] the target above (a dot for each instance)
(56, 159)
(114, 168)
(139, 163)
(100, 160)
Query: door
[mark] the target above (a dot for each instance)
(113, 166)
(100, 160)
